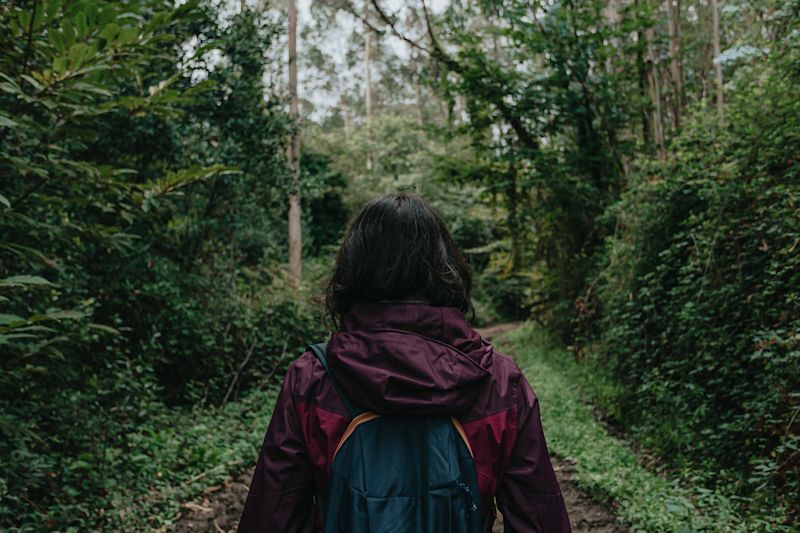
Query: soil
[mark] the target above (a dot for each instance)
(490, 332)
(219, 507)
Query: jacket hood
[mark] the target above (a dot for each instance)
(409, 358)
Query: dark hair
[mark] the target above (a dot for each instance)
(398, 248)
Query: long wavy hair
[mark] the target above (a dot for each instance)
(398, 249)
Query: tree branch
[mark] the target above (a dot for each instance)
(388, 21)
(494, 95)
(29, 44)
(238, 373)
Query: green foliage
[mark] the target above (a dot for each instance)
(546, 140)
(700, 294)
(149, 465)
(141, 216)
(143, 223)
(322, 190)
(605, 465)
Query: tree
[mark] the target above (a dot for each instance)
(717, 60)
(654, 83)
(367, 75)
(295, 228)
(676, 68)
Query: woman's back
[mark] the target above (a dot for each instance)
(412, 359)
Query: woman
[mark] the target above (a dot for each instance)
(397, 297)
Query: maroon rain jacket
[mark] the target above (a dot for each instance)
(406, 359)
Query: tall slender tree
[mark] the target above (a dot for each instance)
(676, 68)
(344, 106)
(417, 93)
(655, 96)
(612, 17)
(717, 64)
(295, 231)
(367, 74)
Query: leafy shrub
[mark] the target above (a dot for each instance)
(605, 465)
(141, 281)
(701, 293)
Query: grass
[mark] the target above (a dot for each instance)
(606, 466)
(182, 453)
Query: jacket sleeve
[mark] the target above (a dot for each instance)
(282, 491)
(529, 496)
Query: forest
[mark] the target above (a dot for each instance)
(175, 177)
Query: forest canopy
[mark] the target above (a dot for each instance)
(625, 173)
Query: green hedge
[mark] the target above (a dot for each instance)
(605, 465)
(700, 294)
(142, 236)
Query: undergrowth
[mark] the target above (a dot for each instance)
(184, 452)
(606, 466)
(167, 460)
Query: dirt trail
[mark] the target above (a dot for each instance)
(219, 507)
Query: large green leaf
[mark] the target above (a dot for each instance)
(22, 280)
(5, 320)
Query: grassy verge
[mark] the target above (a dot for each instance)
(180, 453)
(605, 466)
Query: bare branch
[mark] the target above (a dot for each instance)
(237, 374)
(429, 27)
(389, 22)
(494, 95)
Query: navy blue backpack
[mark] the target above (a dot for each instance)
(400, 475)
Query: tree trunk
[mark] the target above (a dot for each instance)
(367, 74)
(420, 119)
(346, 118)
(643, 87)
(717, 64)
(460, 108)
(613, 19)
(295, 235)
(512, 201)
(417, 92)
(705, 50)
(655, 96)
(676, 69)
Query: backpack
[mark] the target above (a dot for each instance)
(400, 474)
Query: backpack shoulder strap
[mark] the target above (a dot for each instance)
(319, 351)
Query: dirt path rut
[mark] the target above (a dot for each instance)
(219, 508)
